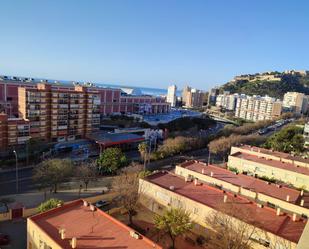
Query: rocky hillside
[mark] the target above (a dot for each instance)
(277, 88)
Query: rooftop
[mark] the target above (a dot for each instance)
(275, 153)
(108, 139)
(92, 229)
(265, 218)
(244, 181)
(272, 163)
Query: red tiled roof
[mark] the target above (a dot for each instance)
(264, 218)
(92, 229)
(272, 163)
(274, 153)
(247, 182)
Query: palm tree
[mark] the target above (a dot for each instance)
(143, 150)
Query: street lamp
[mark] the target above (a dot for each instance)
(16, 171)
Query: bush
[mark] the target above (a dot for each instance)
(49, 204)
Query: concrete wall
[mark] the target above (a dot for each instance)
(262, 198)
(157, 199)
(296, 179)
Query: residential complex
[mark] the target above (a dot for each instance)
(171, 95)
(192, 98)
(60, 112)
(212, 96)
(274, 165)
(295, 102)
(81, 225)
(257, 108)
(273, 226)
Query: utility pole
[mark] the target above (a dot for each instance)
(16, 168)
(208, 157)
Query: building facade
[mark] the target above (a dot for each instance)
(227, 101)
(295, 102)
(171, 95)
(192, 98)
(258, 108)
(274, 165)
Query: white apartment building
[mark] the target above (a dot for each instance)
(295, 102)
(257, 108)
(306, 135)
(171, 95)
(227, 101)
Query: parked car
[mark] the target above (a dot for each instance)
(102, 204)
(4, 239)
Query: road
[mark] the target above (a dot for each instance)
(8, 179)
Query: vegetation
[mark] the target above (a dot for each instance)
(86, 173)
(288, 139)
(235, 170)
(49, 204)
(174, 222)
(222, 146)
(288, 83)
(110, 160)
(143, 150)
(187, 123)
(172, 146)
(124, 121)
(126, 186)
(52, 172)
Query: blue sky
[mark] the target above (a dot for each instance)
(152, 43)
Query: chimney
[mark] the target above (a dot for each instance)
(85, 204)
(302, 202)
(288, 198)
(278, 211)
(211, 174)
(92, 208)
(225, 198)
(302, 192)
(172, 188)
(195, 181)
(203, 171)
(294, 217)
(74, 242)
(62, 233)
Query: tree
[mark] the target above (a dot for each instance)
(174, 222)
(49, 204)
(86, 173)
(230, 232)
(52, 172)
(289, 139)
(143, 150)
(111, 160)
(126, 185)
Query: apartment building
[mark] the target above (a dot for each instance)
(265, 193)
(58, 114)
(295, 102)
(79, 224)
(273, 228)
(171, 95)
(258, 108)
(227, 101)
(212, 96)
(113, 100)
(280, 166)
(192, 98)
(13, 131)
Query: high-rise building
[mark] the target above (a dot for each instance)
(257, 108)
(212, 96)
(171, 95)
(295, 102)
(227, 100)
(192, 97)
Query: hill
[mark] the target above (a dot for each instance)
(274, 88)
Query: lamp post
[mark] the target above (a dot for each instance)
(16, 171)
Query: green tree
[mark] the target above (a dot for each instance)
(52, 172)
(110, 160)
(288, 139)
(49, 204)
(174, 222)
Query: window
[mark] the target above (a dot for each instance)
(195, 210)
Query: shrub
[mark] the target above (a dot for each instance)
(49, 204)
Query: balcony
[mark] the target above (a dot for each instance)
(63, 106)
